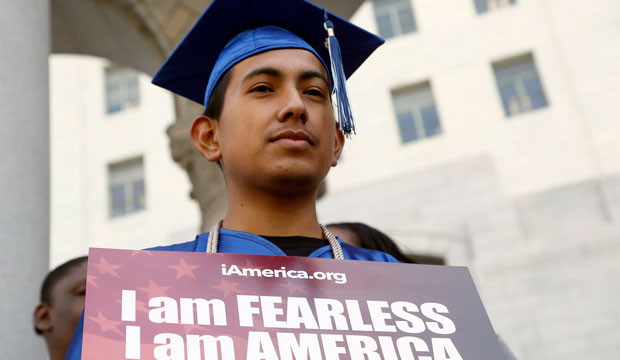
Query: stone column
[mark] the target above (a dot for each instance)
(24, 172)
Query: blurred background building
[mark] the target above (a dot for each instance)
(113, 181)
(489, 137)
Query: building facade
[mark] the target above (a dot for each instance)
(488, 136)
(113, 181)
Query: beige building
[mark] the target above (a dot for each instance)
(489, 136)
(113, 181)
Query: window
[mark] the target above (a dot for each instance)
(519, 85)
(121, 88)
(486, 5)
(394, 17)
(126, 186)
(416, 113)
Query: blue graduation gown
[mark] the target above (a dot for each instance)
(237, 242)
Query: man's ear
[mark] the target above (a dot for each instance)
(205, 139)
(42, 319)
(338, 145)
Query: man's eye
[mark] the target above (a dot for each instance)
(315, 92)
(261, 88)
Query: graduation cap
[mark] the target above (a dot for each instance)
(230, 31)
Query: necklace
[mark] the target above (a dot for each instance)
(214, 236)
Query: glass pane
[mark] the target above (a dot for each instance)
(384, 24)
(519, 85)
(127, 191)
(500, 3)
(117, 201)
(138, 195)
(430, 121)
(417, 97)
(402, 101)
(481, 6)
(507, 73)
(416, 113)
(394, 17)
(112, 108)
(510, 99)
(407, 127)
(407, 24)
(535, 92)
(112, 98)
(522, 68)
(525, 104)
(121, 88)
(385, 5)
(132, 89)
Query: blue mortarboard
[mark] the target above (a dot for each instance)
(230, 31)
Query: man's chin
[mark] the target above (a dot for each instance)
(297, 180)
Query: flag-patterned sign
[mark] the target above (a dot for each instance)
(180, 305)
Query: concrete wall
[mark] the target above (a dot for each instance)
(546, 264)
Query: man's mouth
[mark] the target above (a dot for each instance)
(293, 136)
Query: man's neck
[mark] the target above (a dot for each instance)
(266, 214)
(54, 352)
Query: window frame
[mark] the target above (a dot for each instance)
(393, 12)
(126, 174)
(126, 84)
(525, 100)
(482, 6)
(424, 92)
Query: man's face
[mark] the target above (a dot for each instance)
(277, 128)
(67, 305)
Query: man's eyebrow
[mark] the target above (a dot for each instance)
(269, 71)
(310, 74)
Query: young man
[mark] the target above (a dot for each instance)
(265, 76)
(263, 71)
(62, 302)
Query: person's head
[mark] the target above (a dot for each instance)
(276, 128)
(61, 305)
(265, 76)
(364, 236)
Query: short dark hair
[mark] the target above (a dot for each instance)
(216, 100)
(52, 278)
(55, 275)
(373, 239)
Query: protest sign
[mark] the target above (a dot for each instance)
(178, 305)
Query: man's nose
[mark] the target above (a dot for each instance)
(293, 107)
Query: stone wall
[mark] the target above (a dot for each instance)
(546, 264)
